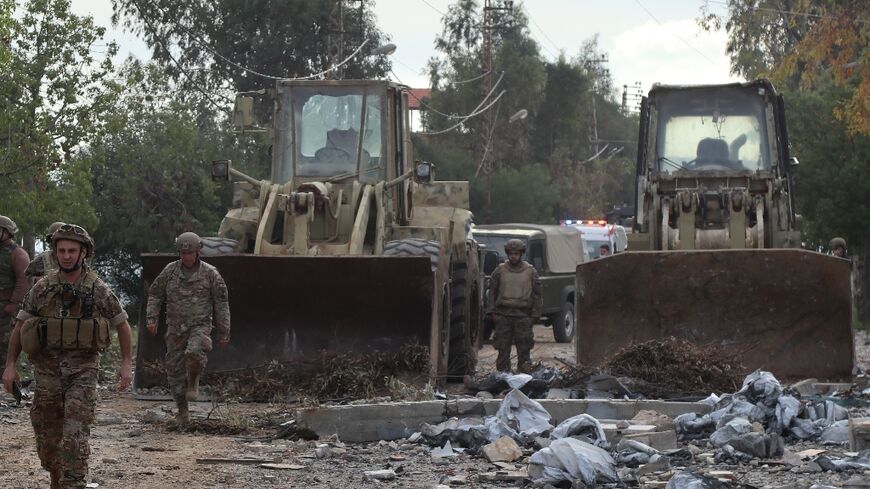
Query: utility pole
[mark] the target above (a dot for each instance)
(335, 31)
(631, 97)
(593, 67)
(487, 121)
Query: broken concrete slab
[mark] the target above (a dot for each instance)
(859, 434)
(660, 440)
(392, 421)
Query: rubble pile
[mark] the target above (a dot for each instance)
(673, 366)
(328, 376)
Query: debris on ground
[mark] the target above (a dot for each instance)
(673, 366)
(568, 460)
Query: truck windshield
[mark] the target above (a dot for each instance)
(712, 130)
(328, 123)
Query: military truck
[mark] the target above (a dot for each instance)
(555, 252)
(723, 266)
(349, 246)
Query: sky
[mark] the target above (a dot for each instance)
(647, 41)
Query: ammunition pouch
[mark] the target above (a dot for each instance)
(40, 333)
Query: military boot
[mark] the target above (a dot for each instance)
(183, 415)
(56, 475)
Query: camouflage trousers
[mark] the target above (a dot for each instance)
(64, 401)
(7, 322)
(510, 330)
(186, 352)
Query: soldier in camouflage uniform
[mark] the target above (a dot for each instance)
(13, 281)
(196, 298)
(515, 301)
(66, 372)
(45, 262)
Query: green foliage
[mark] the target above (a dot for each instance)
(833, 180)
(151, 164)
(53, 97)
(285, 39)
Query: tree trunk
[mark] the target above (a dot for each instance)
(29, 244)
(861, 283)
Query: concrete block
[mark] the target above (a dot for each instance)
(859, 434)
(371, 422)
(660, 440)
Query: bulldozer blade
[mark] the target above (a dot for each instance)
(289, 308)
(787, 311)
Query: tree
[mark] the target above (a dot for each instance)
(53, 96)
(151, 165)
(213, 45)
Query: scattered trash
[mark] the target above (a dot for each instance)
(582, 426)
(443, 452)
(380, 475)
(633, 453)
(523, 415)
(689, 480)
(861, 462)
(568, 459)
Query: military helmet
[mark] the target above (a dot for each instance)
(515, 245)
(8, 224)
(51, 229)
(837, 243)
(74, 232)
(188, 242)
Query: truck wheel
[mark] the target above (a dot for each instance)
(564, 324)
(463, 339)
(214, 246)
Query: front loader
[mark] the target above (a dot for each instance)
(349, 247)
(715, 254)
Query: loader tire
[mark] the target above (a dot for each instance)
(464, 343)
(432, 249)
(214, 246)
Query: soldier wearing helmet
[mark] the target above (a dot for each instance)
(515, 301)
(13, 279)
(838, 248)
(63, 325)
(45, 262)
(196, 302)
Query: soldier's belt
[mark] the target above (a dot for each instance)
(65, 334)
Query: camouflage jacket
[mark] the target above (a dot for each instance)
(532, 302)
(44, 263)
(198, 299)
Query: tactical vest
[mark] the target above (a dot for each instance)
(7, 275)
(515, 287)
(68, 322)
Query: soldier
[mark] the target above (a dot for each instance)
(196, 297)
(13, 281)
(838, 248)
(515, 300)
(63, 325)
(45, 262)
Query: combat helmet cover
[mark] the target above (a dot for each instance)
(515, 245)
(837, 242)
(8, 224)
(73, 232)
(188, 242)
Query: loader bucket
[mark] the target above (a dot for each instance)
(787, 311)
(289, 308)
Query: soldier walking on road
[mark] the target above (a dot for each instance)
(515, 301)
(63, 325)
(196, 298)
(13, 280)
(45, 262)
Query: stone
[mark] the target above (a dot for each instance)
(323, 451)
(662, 422)
(483, 395)
(504, 449)
(108, 419)
(808, 468)
(790, 458)
(457, 480)
(110, 461)
(380, 475)
(504, 476)
(443, 452)
(859, 434)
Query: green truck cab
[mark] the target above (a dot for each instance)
(554, 251)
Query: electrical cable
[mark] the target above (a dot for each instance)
(790, 12)
(469, 116)
(653, 17)
(529, 14)
(451, 116)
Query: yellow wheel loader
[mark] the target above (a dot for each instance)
(349, 247)
(714, 256)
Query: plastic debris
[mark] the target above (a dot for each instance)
(689, 480)
(568, 459)
(836, 434)
(633, 453)
(523, 415)
(833, 464)
(582, 425)
(692, 426)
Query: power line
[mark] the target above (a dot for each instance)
(450, 116)
(529, 14)
(434, 8)
(469, 116)
(790, 12)
(653, 17)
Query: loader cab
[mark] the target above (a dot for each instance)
(339, 130)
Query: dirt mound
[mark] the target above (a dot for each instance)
(673, 367)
